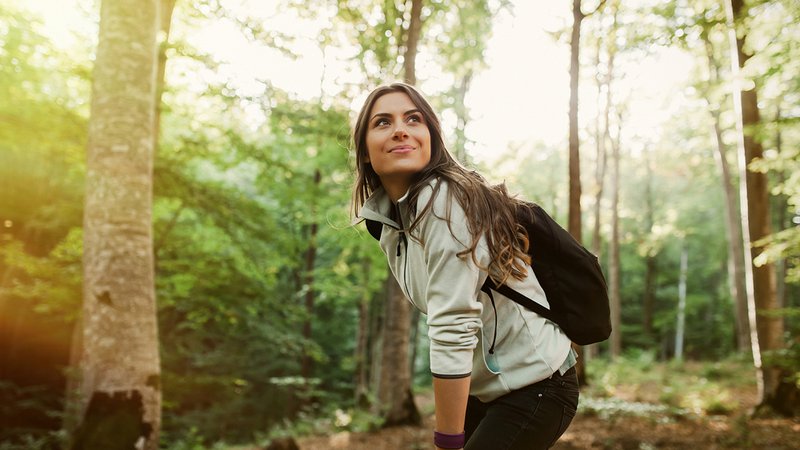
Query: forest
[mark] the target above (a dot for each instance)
(180, 267)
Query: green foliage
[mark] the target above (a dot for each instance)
(638, 385)
(247, 187)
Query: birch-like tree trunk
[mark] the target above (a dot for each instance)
(650, 263)
(681, 314)
(776, 390)
(120, 392)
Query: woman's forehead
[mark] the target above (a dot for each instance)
(393, 101)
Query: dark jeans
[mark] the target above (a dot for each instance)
(530, 418)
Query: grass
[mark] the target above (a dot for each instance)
(635, 385)
(638, 384)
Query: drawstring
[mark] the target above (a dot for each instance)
(494, 339)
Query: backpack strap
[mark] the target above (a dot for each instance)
(374, 227)
(518, 298)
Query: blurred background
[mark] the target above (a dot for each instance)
(273, 311)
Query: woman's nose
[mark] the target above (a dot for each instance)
(400, 130)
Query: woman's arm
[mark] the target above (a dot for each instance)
(450, 395)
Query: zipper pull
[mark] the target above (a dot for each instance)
(399, 241)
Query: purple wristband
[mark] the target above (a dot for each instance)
(444, 440)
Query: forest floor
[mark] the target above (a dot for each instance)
(591, 431)
(695, 406)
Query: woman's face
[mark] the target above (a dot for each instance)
(398, 142)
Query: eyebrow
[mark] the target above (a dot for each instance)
(407, 113)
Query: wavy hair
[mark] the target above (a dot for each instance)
(489, 209)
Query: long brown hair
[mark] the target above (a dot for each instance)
(490, 211)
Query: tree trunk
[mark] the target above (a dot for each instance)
(166, 10)
(362, 345)
(574, 219)
(395, 399)
(736, 275)
(462, 116)
(649, 300)
(733, 228)
(648, 304)
(414, 30)
(307, 367)
(782, 206)
(681, 316)
(756, 226)
(614, 266)
(120, 404)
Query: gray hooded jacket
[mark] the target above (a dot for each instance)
(517, 347)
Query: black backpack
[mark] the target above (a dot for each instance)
(569, 274)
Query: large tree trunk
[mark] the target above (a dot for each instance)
(775, 390)
(120, 404)
(395, 399)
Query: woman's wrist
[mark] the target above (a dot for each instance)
(448, 440)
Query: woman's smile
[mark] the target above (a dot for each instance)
(398, 142)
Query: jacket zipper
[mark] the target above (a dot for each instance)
(402, 241)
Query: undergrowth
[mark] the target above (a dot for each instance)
(637, 384)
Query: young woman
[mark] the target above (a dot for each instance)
(503, 376)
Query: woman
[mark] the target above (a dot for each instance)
(503, 376)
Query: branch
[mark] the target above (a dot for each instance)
(598, 8)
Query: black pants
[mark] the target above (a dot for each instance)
(530, 418)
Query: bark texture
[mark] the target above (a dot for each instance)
(410, 55)
(120, 394)
(574, 219)
(395, 400)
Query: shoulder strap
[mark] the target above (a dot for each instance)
(374, 227)
(519, 298)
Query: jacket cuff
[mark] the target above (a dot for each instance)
(451, 377)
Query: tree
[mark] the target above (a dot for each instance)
(395, 400)
(574, 220)
(615, 296)
(733, 225)
(120, 403)
(754, 197)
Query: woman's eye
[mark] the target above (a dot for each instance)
(381, 122)
(415, 118)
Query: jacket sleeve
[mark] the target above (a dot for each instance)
(453, 287)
